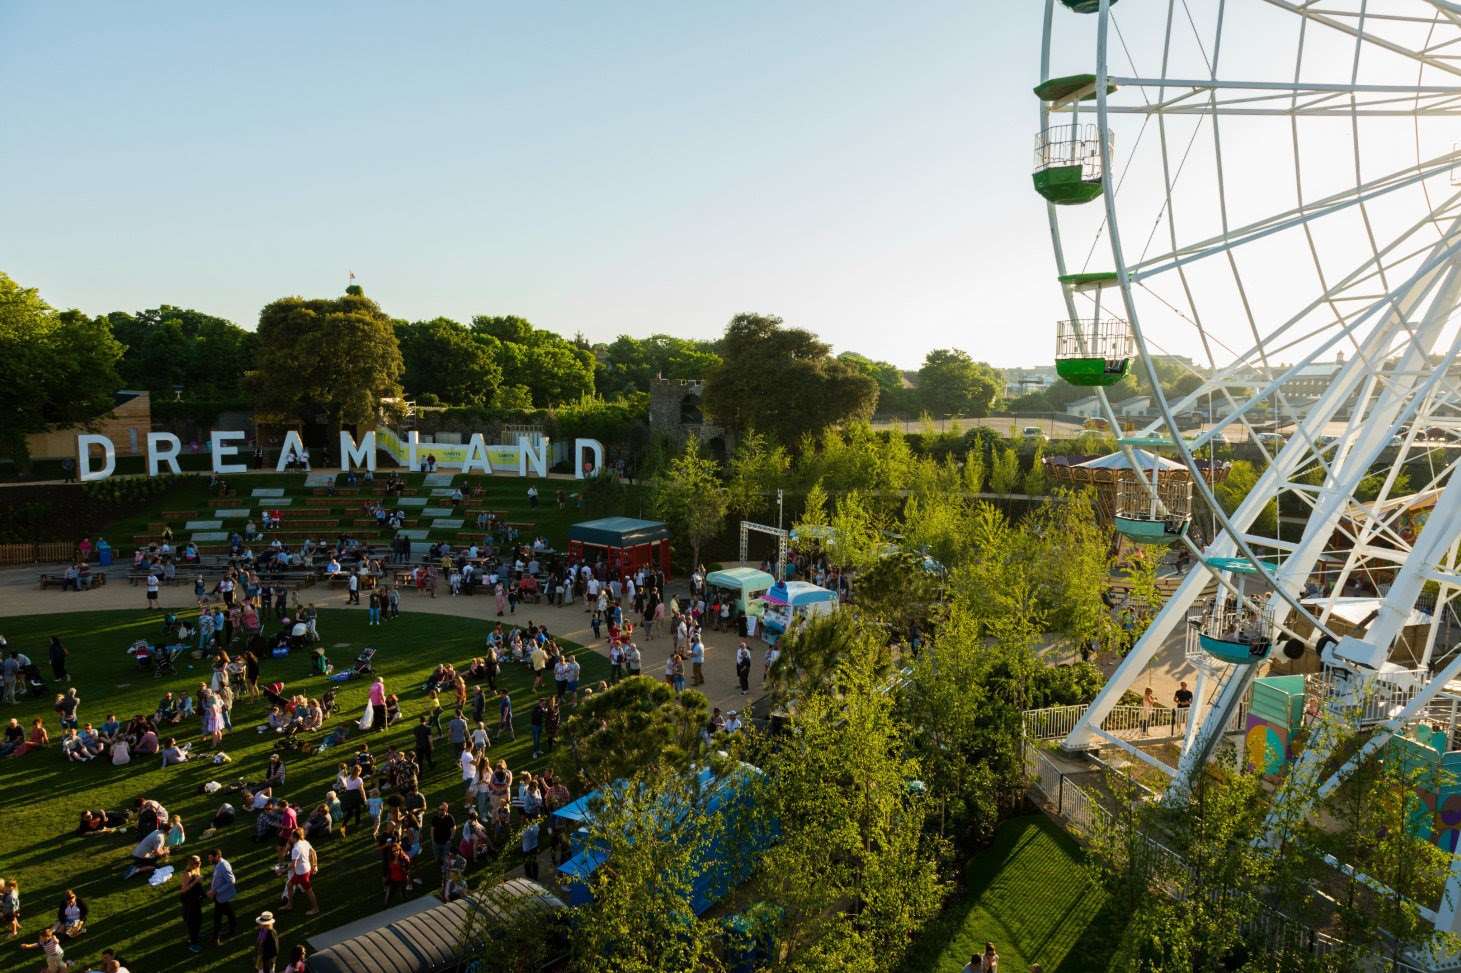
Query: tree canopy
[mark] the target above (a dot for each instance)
(552, 368)
(446, 359)
(782, 381)
(950, 383)
(333, 358)
(170, 349)
(629, 364)
(54, 367)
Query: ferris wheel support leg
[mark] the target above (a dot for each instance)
(1152, 641)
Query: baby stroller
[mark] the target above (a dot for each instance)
(363, 662)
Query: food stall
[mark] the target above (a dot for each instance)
(744, 586)
(787, 601)
(625, 544)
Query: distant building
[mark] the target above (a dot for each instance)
(1026, 381)
(1137, 405)
(675, 412)
(126, 425)
(1087, 408)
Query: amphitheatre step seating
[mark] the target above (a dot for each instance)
(267, 492)
(319, 479)
(233, 513)
(438, 479)
(203, 525)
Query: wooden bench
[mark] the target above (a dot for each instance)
(93, 579)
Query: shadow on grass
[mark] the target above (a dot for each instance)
(1029, 894)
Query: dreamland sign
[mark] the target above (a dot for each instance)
(475, 455)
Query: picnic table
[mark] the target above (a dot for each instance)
(92, 579)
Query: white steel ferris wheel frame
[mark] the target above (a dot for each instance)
(1400, 378)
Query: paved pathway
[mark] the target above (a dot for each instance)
(19, 595)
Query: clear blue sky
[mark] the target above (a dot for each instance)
(859, 168)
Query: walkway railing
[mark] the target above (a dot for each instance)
(1056, 722)
(47, 552)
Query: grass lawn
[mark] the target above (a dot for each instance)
(41, 794)
(1029, 895)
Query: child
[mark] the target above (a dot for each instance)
(55, 955)
(10, 906)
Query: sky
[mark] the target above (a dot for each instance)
(859, 168)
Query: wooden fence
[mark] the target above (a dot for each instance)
(48, 552)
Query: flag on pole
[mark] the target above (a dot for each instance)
(352, 274)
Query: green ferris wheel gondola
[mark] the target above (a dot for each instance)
(1085, 6)
(1067, 185)
(1145, 530)
(1092, 372)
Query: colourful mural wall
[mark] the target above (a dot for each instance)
(1274, 717)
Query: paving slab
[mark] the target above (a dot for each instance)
(441, 492)
(414, 533)
(203, 525)
(275, 501)
(267, 492)
(447, 523)
(411, 502)
(232, 513)
(436, 512)
(210, 537)
(318, 480)
(438, 479)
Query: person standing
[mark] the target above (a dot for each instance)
(422, 733)
(743, 667)
(190, 891)
(1148, 706)
(58, 659)
(222, 891)
(504, 714)
(443, 828)
(302, 866)
(1182, 700)
(378, 705)
(374, 606)
(353, 583)
(539, 717)
(697, 660)
(152, 584)
(266, 947)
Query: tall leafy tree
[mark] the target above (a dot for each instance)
(950, 383)
(658, 834)
(54, 367)
(892, 396)
(782, 381)
(443, 358)
(630, 364)
(552, 368)
(689, 496)
(638, 723)
(854, 875)
(333, 358)
(757, 469)
(179, 349)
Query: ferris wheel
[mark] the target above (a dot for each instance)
(1255, 212)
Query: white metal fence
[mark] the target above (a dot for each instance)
(1056, 722)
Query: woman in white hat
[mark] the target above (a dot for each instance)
(266, 948)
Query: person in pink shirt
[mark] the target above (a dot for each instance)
(378, 705)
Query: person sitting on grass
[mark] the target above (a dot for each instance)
(172, 753)
(38, 738)
(167, 711)
(75, 748)
(71, 915)
(150, 852)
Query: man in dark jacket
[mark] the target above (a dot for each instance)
(266, 949)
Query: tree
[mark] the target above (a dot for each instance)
(757, 469)
(173, 348)
(782, 381)
(553, 369)
(815, 652)
(690, 497)
(637, 723)
(892, 396)
(444, 358)
(853, 875)
(1004, 477)
(54, 368)
(1035, 480)
(333, 358)
(657, 834)
(632, 364)
(950, 383)
(1233, 489)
